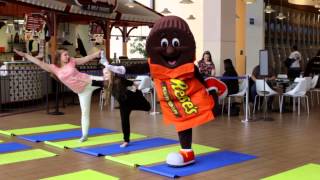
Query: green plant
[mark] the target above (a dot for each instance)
(139, 46)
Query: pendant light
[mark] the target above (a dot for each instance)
(186, 2)
(281, 16)
(249, 1)
(165, 11)
(268, 9)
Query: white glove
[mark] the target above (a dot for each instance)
(103, 59)
(116, 69)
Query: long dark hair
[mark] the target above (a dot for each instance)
(318, 53)
(229, 68)
(207, 53)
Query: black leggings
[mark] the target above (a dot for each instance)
(131, 101)
(185, 138)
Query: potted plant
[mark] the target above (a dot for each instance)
(139, 46)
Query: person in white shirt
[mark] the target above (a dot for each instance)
(295, 67)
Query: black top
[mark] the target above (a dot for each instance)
(313, 66)
(232, 84)
(119, 87)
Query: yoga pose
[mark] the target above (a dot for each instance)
(80, 83)
(129, 98)
(180, 87)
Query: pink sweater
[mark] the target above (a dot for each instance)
(71, 77)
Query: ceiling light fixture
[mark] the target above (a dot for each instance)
(191, 17)
(186, 2)
(268, 9)
(281, 16)
(302, 2)
(165, 11)
(249, 1)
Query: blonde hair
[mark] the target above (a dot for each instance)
(108, 87)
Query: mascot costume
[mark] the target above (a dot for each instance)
(181, 89)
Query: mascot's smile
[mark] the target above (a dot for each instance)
(171, 58)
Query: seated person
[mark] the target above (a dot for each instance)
(229, 71)
(206, 66)
(313, 66)
(270, 78)
(232, 84)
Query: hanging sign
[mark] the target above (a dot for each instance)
(105, 6)
(34, 23)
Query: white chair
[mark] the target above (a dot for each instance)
(313, 89)
(282, 76)
(263, 89)
(298, 91)
(308, 84)
(242, 93)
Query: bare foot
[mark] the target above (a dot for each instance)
(125, 144)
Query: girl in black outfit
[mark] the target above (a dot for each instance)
(232, 84)
(128, 100)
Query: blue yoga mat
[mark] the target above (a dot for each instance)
(12, 146)
(133, 146)
(64, 135)
(203, 163)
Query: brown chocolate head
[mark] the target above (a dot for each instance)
(171, 43)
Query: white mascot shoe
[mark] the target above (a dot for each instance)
(182, 158)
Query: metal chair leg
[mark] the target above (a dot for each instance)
(308, 104)
(229, 104)
(294, 104)
(281, 103)
(222, 110)
(318, 97)
(299, 101)
(254, 104)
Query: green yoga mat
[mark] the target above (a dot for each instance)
(306, 172)
(156, 155)
(83, 175)
(95, 140)
(39, 129)
(27, 155)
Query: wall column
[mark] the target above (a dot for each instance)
(219, 30)
(254, 34)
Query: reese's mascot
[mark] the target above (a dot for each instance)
(180, 87)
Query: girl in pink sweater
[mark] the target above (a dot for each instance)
(80, 83)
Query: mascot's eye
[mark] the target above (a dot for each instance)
(175, 42)
(164, 42)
